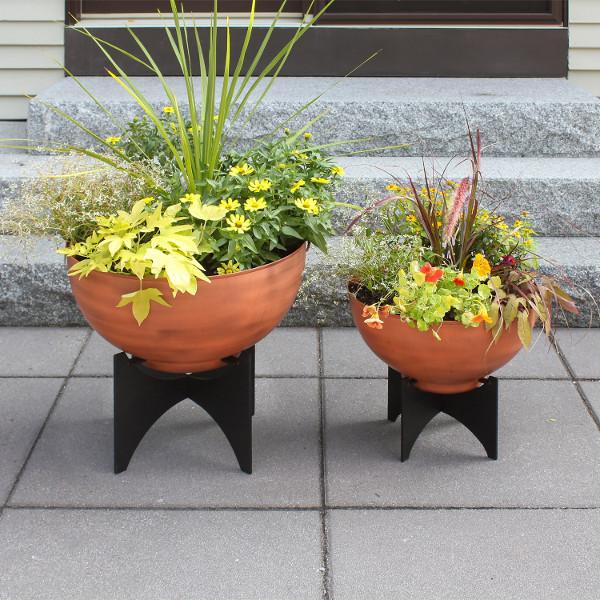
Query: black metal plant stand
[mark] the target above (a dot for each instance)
(476, 409)
(142, 395)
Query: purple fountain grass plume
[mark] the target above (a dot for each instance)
(455, 208)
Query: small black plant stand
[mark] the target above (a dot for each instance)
(142, 395)
(476, 409)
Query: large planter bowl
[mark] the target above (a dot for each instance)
(455, 364)
(226, 316)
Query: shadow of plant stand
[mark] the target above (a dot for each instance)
(476, 409)
(142, 395)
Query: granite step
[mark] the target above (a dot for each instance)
(518, 117)
(562, 195)
(34, 289)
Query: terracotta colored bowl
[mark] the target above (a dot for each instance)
(456, 364)
(225, 317)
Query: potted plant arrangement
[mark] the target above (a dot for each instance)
(194, 250)
(445, 291)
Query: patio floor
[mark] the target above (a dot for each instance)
(330, 512)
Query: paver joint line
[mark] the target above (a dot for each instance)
(325, 563)
(575, 382)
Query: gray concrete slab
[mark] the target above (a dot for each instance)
(152, 555)
(347, 355)
(581, 348)
(592, 391)
(466, 554)
(44, 351)
(24, 405)
(541, 361)
(183, 461)
(285, 351)
(549, 452)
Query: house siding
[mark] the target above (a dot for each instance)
(584, 42)
(31, 51)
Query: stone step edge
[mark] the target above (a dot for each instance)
(561, 194)
(517, 116)
(34, 288)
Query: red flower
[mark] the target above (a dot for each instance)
(459, 281)
(432, 275)
(509, 261)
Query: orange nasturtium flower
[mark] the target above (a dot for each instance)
(372, 313)
(432, 275)
(482, 316)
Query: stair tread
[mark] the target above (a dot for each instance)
(528, 117)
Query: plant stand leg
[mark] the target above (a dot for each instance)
(142, 396)
(476, 409)
(394, 394)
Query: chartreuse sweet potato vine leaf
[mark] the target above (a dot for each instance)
(140, 302)
(146, 241)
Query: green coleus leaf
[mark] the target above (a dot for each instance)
(140, 302)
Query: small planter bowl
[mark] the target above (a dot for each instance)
(224, 318)
(456, 364)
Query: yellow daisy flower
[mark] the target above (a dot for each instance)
(187, 198)
(309, 205)
(229, 204)
(254, 204)
(237, 223)
(297, 186)
(244, 169)
(228, 267)
(259, 185)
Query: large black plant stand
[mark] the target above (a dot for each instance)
(142, 395)
(476, 409)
